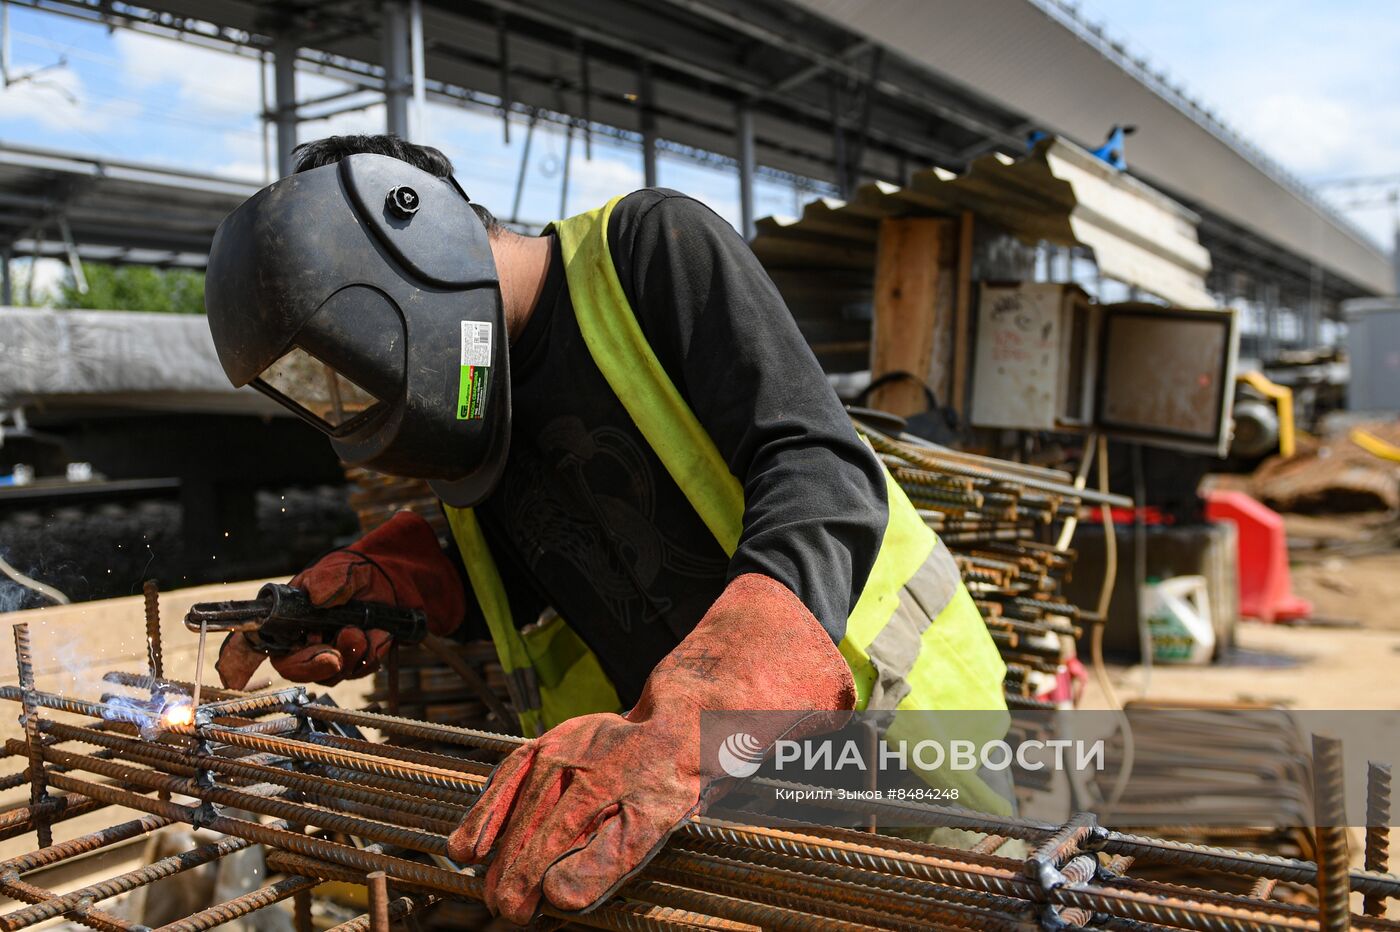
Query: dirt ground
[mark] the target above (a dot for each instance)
(1346, 657)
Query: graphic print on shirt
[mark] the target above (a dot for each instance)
(593, 505)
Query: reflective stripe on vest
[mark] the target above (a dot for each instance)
(950, 664)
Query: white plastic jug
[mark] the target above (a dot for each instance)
(1178, 617)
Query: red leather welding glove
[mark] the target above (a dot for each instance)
(398, 563)
(574, 813)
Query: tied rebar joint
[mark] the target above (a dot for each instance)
(1079, 834)
(296, 706)
(206, 813)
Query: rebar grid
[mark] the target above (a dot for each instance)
(712, 874)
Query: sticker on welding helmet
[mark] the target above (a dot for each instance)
(476, 343)
(471, 393)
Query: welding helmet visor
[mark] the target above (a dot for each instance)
(363, 298)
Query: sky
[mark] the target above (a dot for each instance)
(1313, 83)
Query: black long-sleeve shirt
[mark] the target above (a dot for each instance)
(588, 521)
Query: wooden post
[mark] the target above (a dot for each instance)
(961, 319)
(914, 309)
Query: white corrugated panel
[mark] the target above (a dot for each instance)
(1059, 193)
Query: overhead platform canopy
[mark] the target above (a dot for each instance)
(61, 205)
(1036, 59)
(840, 91)
(1058, 194)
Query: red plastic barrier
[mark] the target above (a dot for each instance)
(1265, 586)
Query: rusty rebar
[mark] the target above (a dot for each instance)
(400, 908)
(114, 886)
(155, 660)
(264, 805)
(377, 883)
(411, 728)
(253, 705)
(52, 810)
(618, 916)
(1263, 888)
(83, 913)
(394, 752)
(83, 844)
(783, 916)
(123, 678)
(301, 911)
(29, 720)
(1377, 856)
(239, 906)
(1330, 828)
(187, 764)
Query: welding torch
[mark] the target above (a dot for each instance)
(282, 617)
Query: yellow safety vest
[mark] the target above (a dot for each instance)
(553, 676)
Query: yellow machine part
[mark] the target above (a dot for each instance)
(1282, 397)
(1374, 445)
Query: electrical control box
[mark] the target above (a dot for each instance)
(1049, 359)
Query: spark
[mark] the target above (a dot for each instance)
(182, 714)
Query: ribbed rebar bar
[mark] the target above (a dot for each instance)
(377, 882)
(412, 728)
(253, 705)
(842, 873)
(1330, 827)
(240, 906)
(155, 660)
(113, 886)
(123, 678)
(1230, 861)
(83, 844)
(618, 916)
(53, 810)
(279, 808)
(186, 764)
(1377, 856)
(1176, 912)
(784, 916)
(29, 720)
(394, 752)
(83, 913)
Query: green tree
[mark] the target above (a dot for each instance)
(135, 288)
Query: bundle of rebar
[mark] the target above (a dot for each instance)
(995, 517)
(328, 804)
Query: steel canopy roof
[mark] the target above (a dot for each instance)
(952, 79)
(1017, 54)
(115, 211)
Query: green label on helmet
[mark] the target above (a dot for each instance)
(471, 393)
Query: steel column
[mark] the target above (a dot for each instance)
(743, 119)
(284, 101)
(419, 69)
(397, 77)
(648, 127)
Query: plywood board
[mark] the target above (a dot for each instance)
(915, 277)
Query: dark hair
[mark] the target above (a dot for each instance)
(332, 149)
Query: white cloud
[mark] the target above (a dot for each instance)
(210, 81)
(207, 80)
(56, 99)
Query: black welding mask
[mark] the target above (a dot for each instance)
(363, 297)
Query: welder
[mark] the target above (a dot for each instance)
(658, 504)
